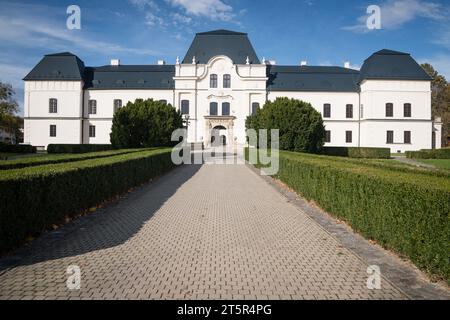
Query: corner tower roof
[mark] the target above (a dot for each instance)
(235, 45)
(392, 65)
(58, 66)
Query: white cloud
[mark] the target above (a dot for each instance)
(396, 13)
(212, 9)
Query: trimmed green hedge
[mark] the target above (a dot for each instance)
(353, 152)
(60, 158)
(429, 154)
(403, 210)
(17, 148)
(78, 148)
(33, 199)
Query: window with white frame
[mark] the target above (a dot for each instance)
(92, 106)
(91, 131)
(185, 107)
(117, 105)
(226, 109)
(53, 105)
(52, 130)
(227, 81)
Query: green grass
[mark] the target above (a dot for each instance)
(438, 163)
(45, 159)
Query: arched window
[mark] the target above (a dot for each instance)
(184, 107)
(213, 106)
(255, 107)
(226, 109)
(227, 81)
(213, 81)
(53, 106)
(407, 110)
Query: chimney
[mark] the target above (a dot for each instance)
(303, 63)
(115, 62)
(347, 65)
(273, 62)
(161, 63)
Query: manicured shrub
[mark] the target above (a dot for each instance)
(60, 158)
(301, 126)
(17, 148)
(405, 210)
(429, 154)
(33, 199)
(145, 124)
(353, 152)
(77, 148)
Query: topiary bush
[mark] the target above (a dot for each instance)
(145, 124)
(301, 126)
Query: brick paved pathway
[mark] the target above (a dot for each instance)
(200, 232)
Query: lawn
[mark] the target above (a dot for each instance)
(438, 163)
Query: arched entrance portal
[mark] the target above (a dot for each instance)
(219, 136)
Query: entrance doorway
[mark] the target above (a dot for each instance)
(219, 136)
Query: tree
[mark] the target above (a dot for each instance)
(7, 104)
(301, 126)
(144, 124)
(440, 100)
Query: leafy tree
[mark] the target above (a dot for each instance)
(145, 123)
(7, 104)
(440, 100)
(301, 126)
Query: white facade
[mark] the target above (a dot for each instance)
(367, 125)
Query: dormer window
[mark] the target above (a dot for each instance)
(213, 81)
(227, 81)
(53, 106)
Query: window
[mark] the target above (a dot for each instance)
(348, 136)
(226, 109)
(213, 109)
(185, 107)
(407, 110)
(255, 107)
(389, 109)
(390, 137)
(407, 136)
(91, 131)
(117, 105)
(92, 106)
(327, 136)
(226, 81)
(213, 81)
(163, 101)
(327, 110)
(349, 111)
(53, 130)
(53, 106)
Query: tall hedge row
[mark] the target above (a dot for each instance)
(407, 212)
(60, 158)
(33, 199)
(353, 152)
(17, 148)
(429, 154)
(78, 148)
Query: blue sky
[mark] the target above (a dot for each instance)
(323, 32)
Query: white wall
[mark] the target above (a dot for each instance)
(102, 131)
(37, 132)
